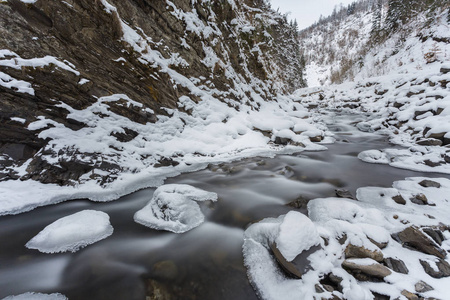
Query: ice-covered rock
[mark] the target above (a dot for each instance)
(36, 296)
(72, 232)
(173, 207)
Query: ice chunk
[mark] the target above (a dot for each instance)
(72, 232)
(173, 207)
(37, 296)
(374, 156)
(297, 234)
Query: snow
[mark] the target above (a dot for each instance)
(72, 232)
(36, 296)
(18, 85)
(371, 217)
(20, 120)
(174, 208)
(297, 234)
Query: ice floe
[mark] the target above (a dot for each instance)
(174, 207)
(72, 232)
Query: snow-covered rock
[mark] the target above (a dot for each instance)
(72, 232)
(174, 207)
(36, 296)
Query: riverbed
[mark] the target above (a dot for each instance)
(206, 262)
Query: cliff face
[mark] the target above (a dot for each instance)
(72, 65)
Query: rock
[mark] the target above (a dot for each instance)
(365, 272)
(420, 199)
(299, 203)
(443, 266)
(166, 162)
(282, 140)
(409, 295)
(353, 251)
(435, 234)
(430, 183)
(342, 193)
(396, 264)
(414, 239)
(423, 287)
(378, 296)
(399, 199)
(316, 139)
(445, 69)
(165, 270)
(125, 136)
(299, 265)
(380, 245)
(429, 142)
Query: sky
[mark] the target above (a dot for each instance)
(307, 11)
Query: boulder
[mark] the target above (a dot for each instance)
(429, 142)
(353, 251)
(410, 296)
(423, 287)
(442, 265)
(399, 199)
(435, 234)
(430, 183)
(299, 265)
(414, 239)
(396, 264)
(364, 271)
(343, 193)
(445, 69)
(421, 199)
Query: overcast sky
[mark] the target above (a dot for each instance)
(307, 11)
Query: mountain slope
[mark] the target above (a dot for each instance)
(100, 92)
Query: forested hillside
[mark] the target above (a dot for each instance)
(375, 37)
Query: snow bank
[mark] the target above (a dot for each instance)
(367, 223)
(173, 207)
(73, 232)
(37, 296)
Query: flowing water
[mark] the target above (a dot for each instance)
(205, 263)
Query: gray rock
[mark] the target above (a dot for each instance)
(443, 266)
(399, 199)
(343, 193)
(396, 264)
(430, 183)
(299, 265)
(445, 69)
(423, 287)
(414, 239)
(353, 251)
(420, 199)
(364, 272)
(435, 234)
(429, 142)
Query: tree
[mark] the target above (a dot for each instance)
(376, 22)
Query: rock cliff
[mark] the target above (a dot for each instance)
(74, 73)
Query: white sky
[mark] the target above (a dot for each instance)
(307, 11)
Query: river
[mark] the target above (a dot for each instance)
(206, 262)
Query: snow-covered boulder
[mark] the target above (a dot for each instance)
(72, 232)
(173, 207)
(37, 296)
